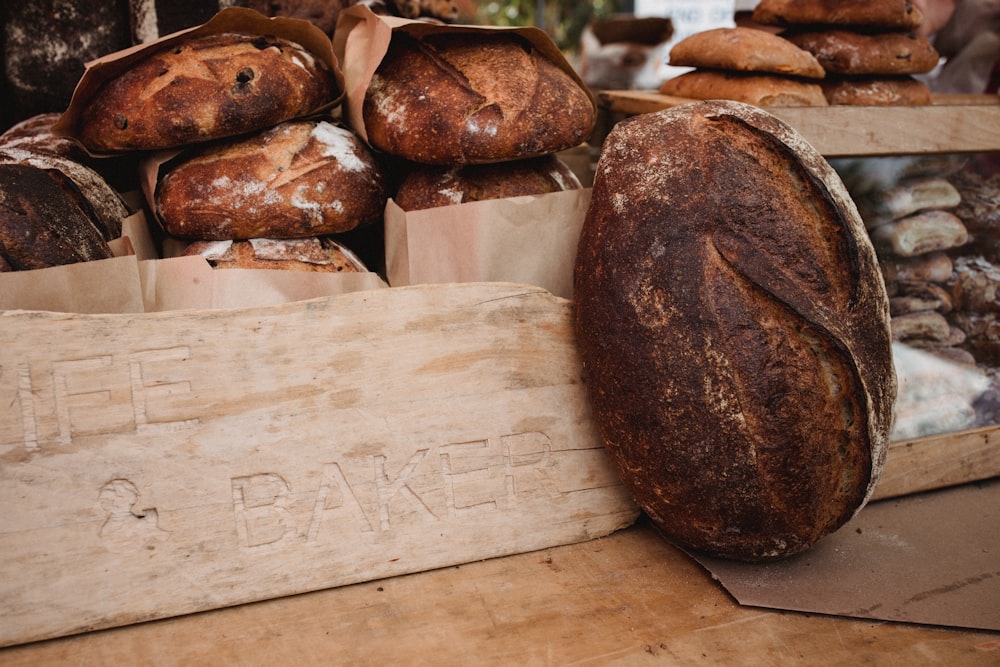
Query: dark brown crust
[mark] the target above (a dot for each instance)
(297, 179)
(464, 98)
(431, 186)
(849, 52)
(876, 91)
(206, 88)
(41, 225)
(734, 330)
(897, 14)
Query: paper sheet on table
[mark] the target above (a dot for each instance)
(930, 558)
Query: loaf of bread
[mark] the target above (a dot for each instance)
(31, 142)
(314, 254)
(745, 49)
(901, 90)
(920, 233)
(428, 186)
(895, 14)
(932, 267)
(853, 52)
(453, 98)
(205, 88)
(734, 330)
(297, 179)
(753, 88)
(41, 223)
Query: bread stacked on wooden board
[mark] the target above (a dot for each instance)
(734, 330)
(867, 47)
(747, 65)
(914, 231)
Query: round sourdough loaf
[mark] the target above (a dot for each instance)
(297, 179)
(734, 330)
(427, 186)
(751, 87)
(453, 98)
(887, 14)
(853, 52)
(205, 88)
(42, 223)
(902, 90)
(745, 49)
(314, 254)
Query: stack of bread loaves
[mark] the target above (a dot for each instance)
(256, 169)
(867, 47)
(746, 65)
(974, 282)
(913, 230)
(474, 115)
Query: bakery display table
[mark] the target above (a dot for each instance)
(630, 598)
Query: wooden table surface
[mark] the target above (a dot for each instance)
(627, 599)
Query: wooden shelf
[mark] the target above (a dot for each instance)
(953, 124)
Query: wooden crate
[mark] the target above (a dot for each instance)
(166, 463)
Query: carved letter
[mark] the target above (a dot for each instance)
(144, 390)
(473, 474)
(526, 456)
(259, 506)
(335, 493)
(63, 394)
(387, 489)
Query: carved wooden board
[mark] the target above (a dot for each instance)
(158, 464)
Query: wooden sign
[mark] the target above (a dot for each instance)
(159, 464)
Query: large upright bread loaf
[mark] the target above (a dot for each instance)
(734, 330)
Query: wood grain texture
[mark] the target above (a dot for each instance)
(161, 464)
(939, 461)
(953, 124)
(627, 599)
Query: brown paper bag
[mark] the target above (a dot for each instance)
(519, 239)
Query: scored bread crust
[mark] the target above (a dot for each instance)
(900, 14)
(297, 179)
(745, 50)
(205, 88)
(851, 52)
(734, 330)
(750, 87)
(472, 98)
